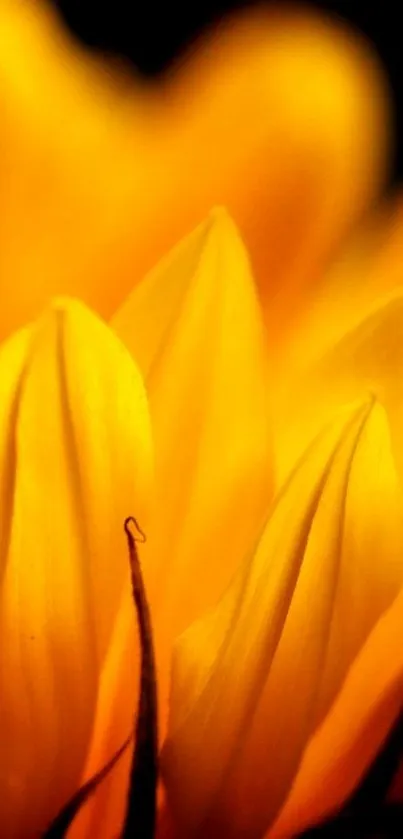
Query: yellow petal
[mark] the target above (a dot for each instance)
(78, 441)
(253, 679)
(195, 326)
(368, 358)
(349, 738)
(367, 268)
(202, 350)
(12, 360)
(100, 176)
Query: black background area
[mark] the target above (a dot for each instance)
(152, 34)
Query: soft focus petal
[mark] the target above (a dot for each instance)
(100, 176)
(348, 340)
(75, 447)
(195, 326)
(255, 677)
(368, 358)
(367, 268)
(294, 97)
(67, 176)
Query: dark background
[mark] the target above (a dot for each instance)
(151, 34)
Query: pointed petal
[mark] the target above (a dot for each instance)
(195, 326)
(148, 315)
(110, 428)
(80, 439)
(207, 379)
(253, 679)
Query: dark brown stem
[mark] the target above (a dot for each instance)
(141, 810)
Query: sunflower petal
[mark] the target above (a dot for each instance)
(79, 439)
(203, 352)
(367, 358)
(363, 272)
(254, 678)
(195, 326)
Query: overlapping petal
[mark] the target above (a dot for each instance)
(76, 457)
(99, 177)
(195, 327)
(256, 676)
(368, 357)
(363, 272)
